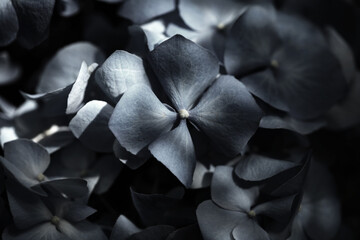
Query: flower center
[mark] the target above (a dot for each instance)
(220, 26)
(55, 220)
(252, 213)
(40, 177)
(274, 63)
(183, 113)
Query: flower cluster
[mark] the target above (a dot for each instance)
(173, 119)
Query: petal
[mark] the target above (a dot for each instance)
(90, 126)
(158, 232)
(31, 158)
(202, 14)
(9, 24)
(228, 115)
(123, 229)
(26, 207)
(176, 151)
(108, 168)
(71, 187)
(139, 118)
(81, 231)
(119, 72)
(249, 230)
(287, 122)
(77, 92)
(258, 168)
(140, 11)
(130, 160)
(68, 8)
(42, 231)
(216, 223)
(9, 70)
(228, 195)
(184, 69)
(34, 18)
(251, 41)
(71, 211)
(63, 69)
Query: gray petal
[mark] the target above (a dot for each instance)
(249, 230)
(130, 160)
(119, 72)
(34, 18)
(184, 69)
(123, 229)
(90, 126)
(46, 231)
(228, 195)
(257, 168)
(63, 69)
(175, 150)
(77, 92)
(31, 158)
(228, 115)
(216, 223)
(10, 71)
(81, 231)
(68, 8)
(9, 24)
(139, 118)
(140, 11)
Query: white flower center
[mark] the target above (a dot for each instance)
(183, 113)
(252, 213)
(274, 63)
(40, 177)
(55, 220)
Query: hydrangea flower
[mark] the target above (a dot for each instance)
(48, 218)
(226, 112)
(291, 70)
(238, 213)
(27, 162)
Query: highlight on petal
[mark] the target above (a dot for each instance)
(119, 72)
(90, 126)
(139, 118)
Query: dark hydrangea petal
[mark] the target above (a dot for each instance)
(46, 231)
(280, 209)
(68, 8)
(343, 52)
(130, 160)
(301, 85)
(71, 187)
(71, 211)
(31, 158)
(228, 195)
(184, 69)
(216, 223)
(249, 229)
(112, 1)
(26, 207)
(123, 229)
(10, 71)
(292, 185)
(175, 149)
(251, 42)
(108, 168)
(228, 115)
(81, 230)
(202, 14)
(34, 18)
(287, 122)
(139, 118)
(9, 24)
(57, 140)
(77, 92)
(256, 167)
(90, 126)
(140, 11)
(119, 72)
(63, 69)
